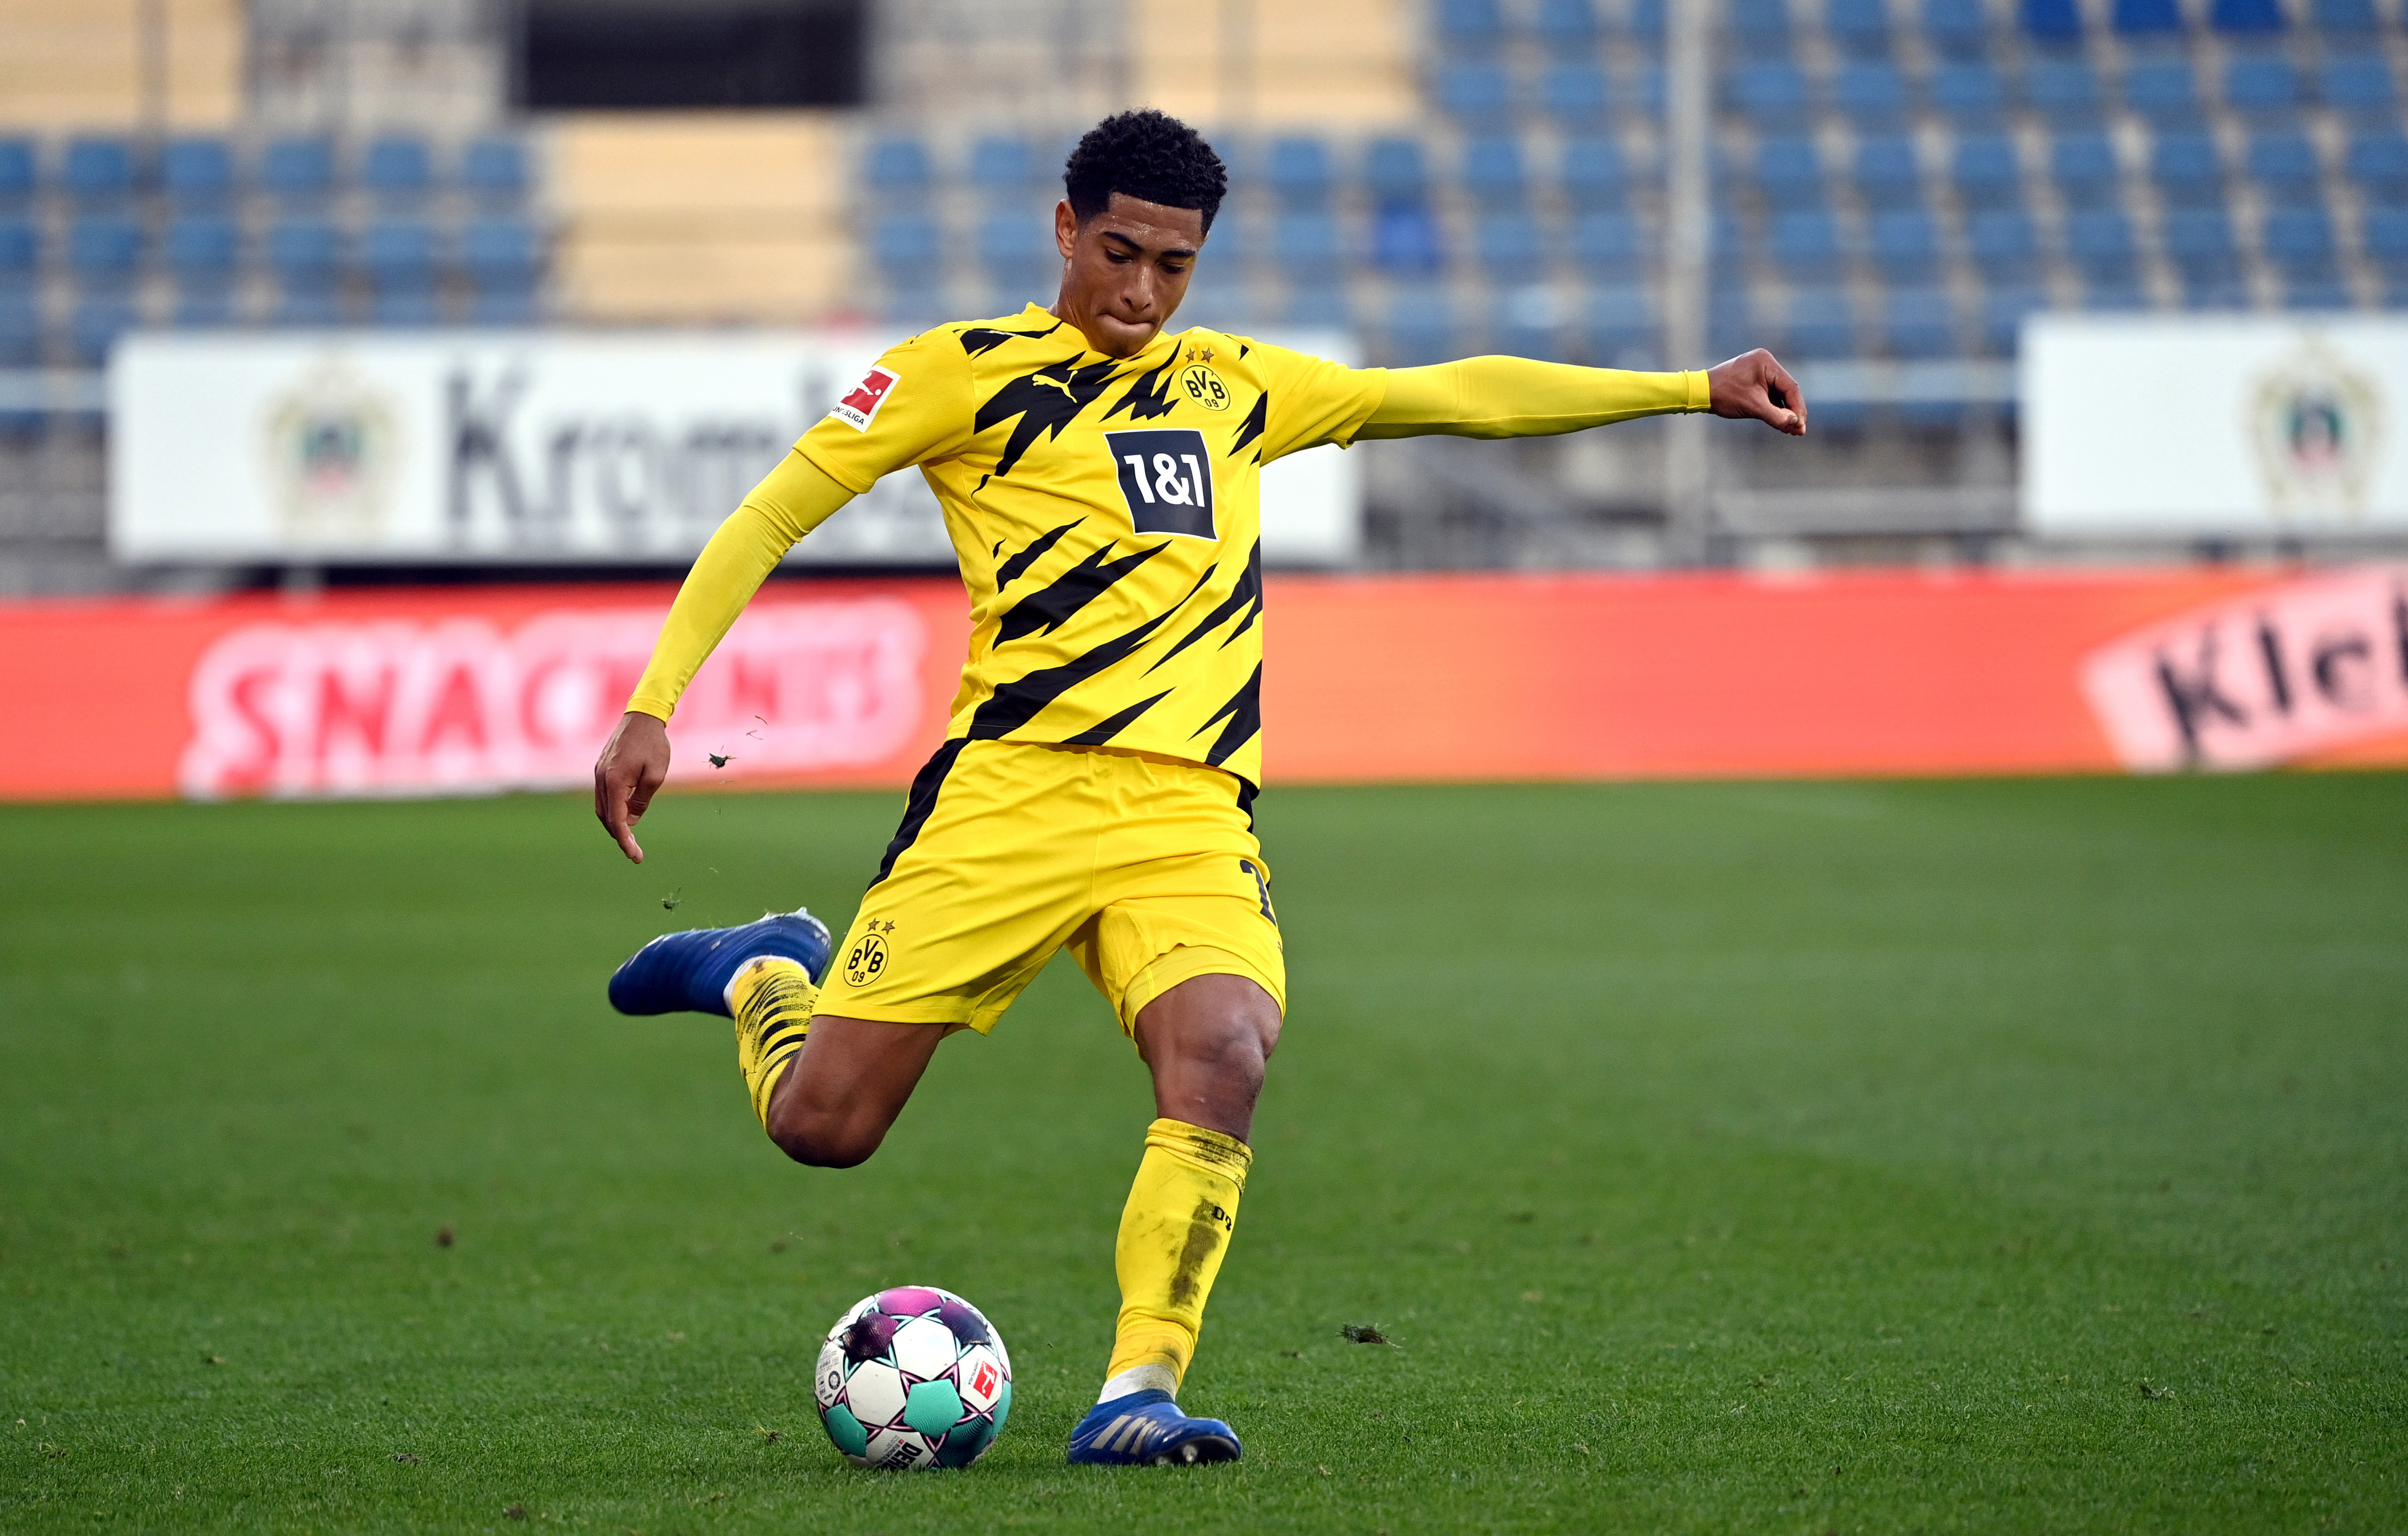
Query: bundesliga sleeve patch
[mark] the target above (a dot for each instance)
(859, 408)
(1167, 477)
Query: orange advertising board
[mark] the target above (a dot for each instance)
(1420, 677)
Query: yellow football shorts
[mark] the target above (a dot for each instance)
(1147, 867)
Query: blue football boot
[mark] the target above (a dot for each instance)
(1147, 1429)
(688, 971)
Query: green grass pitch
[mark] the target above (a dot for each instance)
(1787, 1158)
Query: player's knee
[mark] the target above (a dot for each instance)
(822, 1141)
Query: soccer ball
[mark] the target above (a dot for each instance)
(913, 1377)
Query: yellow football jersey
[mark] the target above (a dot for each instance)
(1107, 515)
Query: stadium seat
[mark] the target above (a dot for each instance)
(2377, 161)
(1524, 323)
(1564, 25)
(493, 172)
(1319, 308)
(1788, 174)
(1860, 28)
(1888, 173)
(2063, 91)
(2162, 91)
(2285, 167)
(1420, 327)
(1493, 173)
(1478, 96)
(2358, 84)
(897, 165)
(1298, 172)
(2083, 166)
(1002, 165)
(2384, 235)
(2345, 20)
(2247, 17)
(503, 259)
(1731, 326)
(1609, 245)
(1473, 27)
(2052, 23)
(2299, 242)
(1395, 171)
(104, 250)
(197, 174)
(1574, 95)
(1308, 247)
(2187, 168)
(1015, 251)
(1872, 93)
(398, 256)
(2002, 317)
(1771, 96)
(1805, 243)
(2261, 86)
(1904, 245)
(1987, 175)
(201, 249)
(1919, 322)
(96, 323)
(297, 172)
(1594, 175)
(1967, 93)
(21, 340)
(2145, 19)
(909, 250)
(2099, 242)
(2199, 242)
(98, 172)
(1957, 29)
(1406, 242)
(1645, 21)
(1820, 324)
(21, 253)
(16, 165)
(2003, 243)
(1510, 246)
(396, 171)
(1622, 328)
(305, 255)
(1759, 29)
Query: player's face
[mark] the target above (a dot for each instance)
(1125, 270)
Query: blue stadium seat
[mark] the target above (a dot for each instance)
(97, 171)
(1469, 26)
(2199, 242)
(2384, 236)
(398, 171)
(2100, 243)
(1987, 174)
(898, 165)
(298, 172)
(493, 172)
(1002, 165)
(1564, 24)
(1888, 173)
(2002, 317)
(2285, 166)
(306, 254)
(196, 173)
(398, 256)
(1649, 89)
(2358, 84)
(1319, 308)
(2052, 23)
(1016, 250)
(2299, 242)
(21, 254)
(95, 325)
(1478, 96)
(1645, 21)
(1524, 322)
(17, 172)
(1787, 173)
(1860, 28)
(1819, 324)
(2064, 91)
(2161, 91)
(1870, 93)
(1593, 174)
(1957, 29)
(2003, 243)
(1622, 328)
(1395, 171)
(1493, 171)
(1421, 327)
(1609, 245)
(2083, 167)
(1967, 93)
(1307, 245)
(1770, 94)
(1510, 246)
(2260, 17)
(201, 251)
(21, 338)
(1759, 28)
(1405, 241)
(1919, 322)
(2147, 18)
(2262, 86)
(1574, 95)
(2122, 293)
(1904, 245)
(2345, 20)
(2377, 161)
(503, 259)
(104, 250)
(909, 250)
(1297, 171)
(1805, 243)
(2187, 167)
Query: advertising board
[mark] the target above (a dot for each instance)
(555, 448)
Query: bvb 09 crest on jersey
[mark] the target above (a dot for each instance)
(2316, 425)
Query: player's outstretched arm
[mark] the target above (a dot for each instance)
(791, 499)
(1519, 397)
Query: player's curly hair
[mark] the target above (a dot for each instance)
(1149, 155)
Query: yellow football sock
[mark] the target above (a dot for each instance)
(772, 1000)
(1174, 1232)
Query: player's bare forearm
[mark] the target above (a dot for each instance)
(634, 763)
(1755, 384)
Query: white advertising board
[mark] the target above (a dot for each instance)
(534, 446)
(2212, 425)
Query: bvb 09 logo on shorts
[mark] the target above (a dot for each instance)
(865, 961)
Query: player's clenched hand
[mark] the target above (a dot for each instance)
(1756, 384)
(632, 765)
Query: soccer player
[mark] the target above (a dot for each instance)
(1098, 474)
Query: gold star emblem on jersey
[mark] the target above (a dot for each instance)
(1200, 384)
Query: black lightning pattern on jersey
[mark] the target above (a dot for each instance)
(1046, 401)
(1016, 702)
(1149, 394)
(1258, 421)
(1012, 569)
(1249, 591)
(1050, 607)
(1244, 713)
(981, 339)
(1112, 725)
